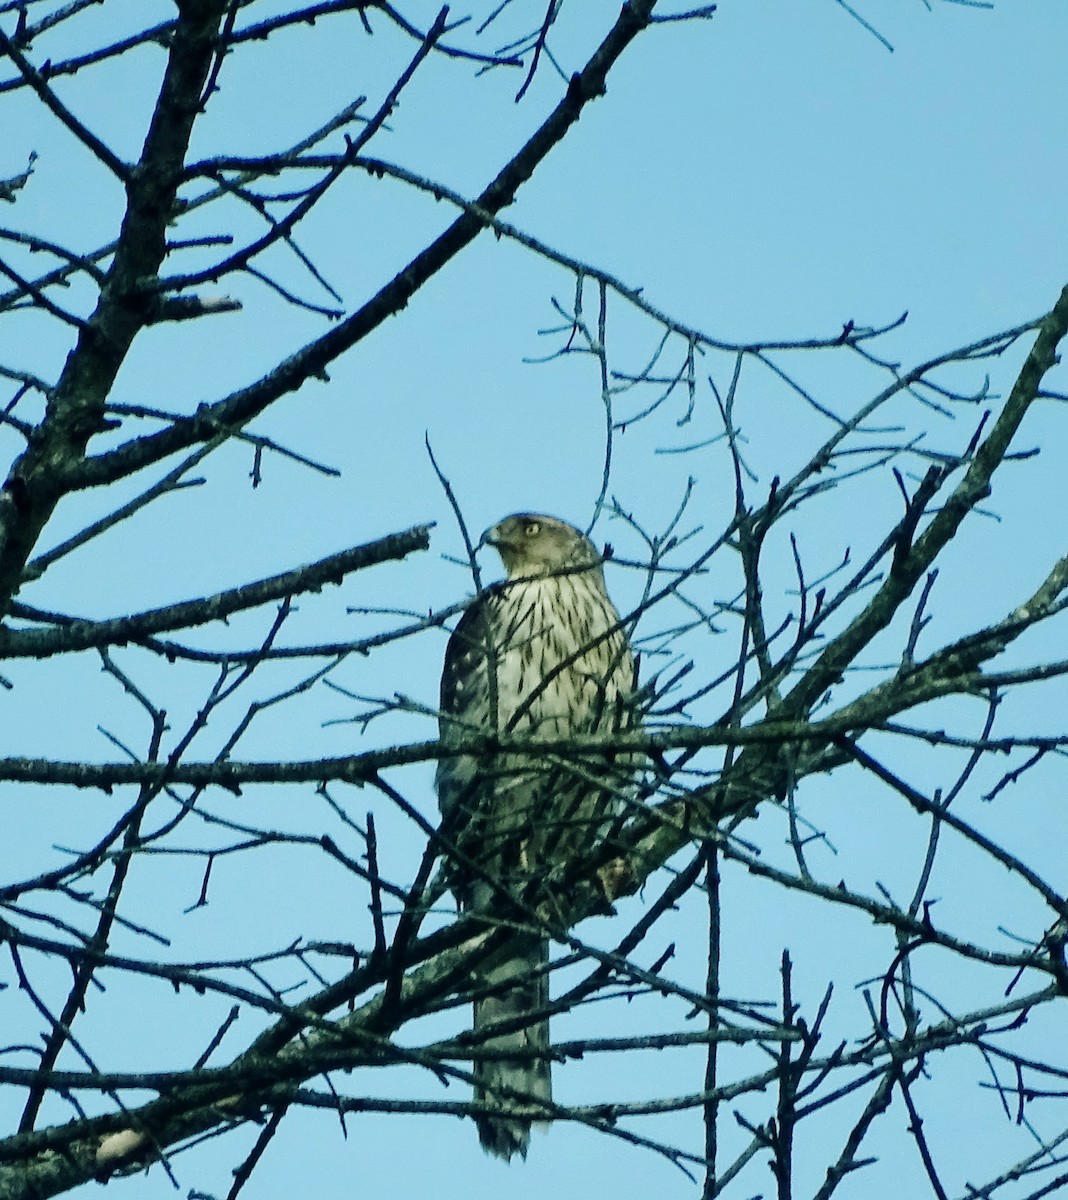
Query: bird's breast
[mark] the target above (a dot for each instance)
(559, 657)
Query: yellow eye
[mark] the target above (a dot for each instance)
(532, 529)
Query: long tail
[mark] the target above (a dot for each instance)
(521, 1081)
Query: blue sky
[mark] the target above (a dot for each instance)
(772, 173)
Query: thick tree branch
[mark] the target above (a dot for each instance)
(913, 561)
(75, 412)
(75, 634)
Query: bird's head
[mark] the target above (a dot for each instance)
(531, 545)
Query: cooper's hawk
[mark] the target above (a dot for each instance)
(541, 655)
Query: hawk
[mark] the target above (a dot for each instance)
(542, 655)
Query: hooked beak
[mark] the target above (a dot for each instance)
(490, 538)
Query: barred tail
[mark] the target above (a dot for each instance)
(514, 1083)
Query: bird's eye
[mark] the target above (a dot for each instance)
(532, 529)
